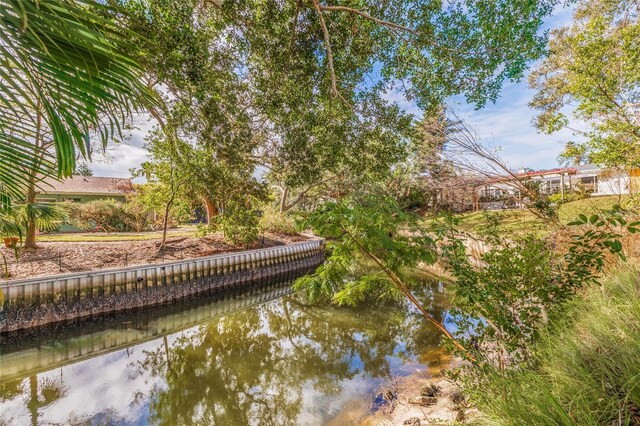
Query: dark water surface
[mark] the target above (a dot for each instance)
(262, 357)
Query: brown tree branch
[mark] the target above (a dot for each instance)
(387, 24)
(405, 290)
(327, 43)
(391, 26)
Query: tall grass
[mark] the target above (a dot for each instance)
(586, 369)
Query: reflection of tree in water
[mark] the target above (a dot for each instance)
(253, 366)
(40, 393)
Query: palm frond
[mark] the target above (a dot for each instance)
(47, 216)
(63, 58)
(10, 226)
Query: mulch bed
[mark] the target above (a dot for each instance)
(63, 257)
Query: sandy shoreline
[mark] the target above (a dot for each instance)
(422, 398)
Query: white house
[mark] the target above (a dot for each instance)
(590, 178)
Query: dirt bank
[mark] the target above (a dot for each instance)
(63, 257)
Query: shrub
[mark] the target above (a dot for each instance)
(278, 223)
(107, 215)
(240, 224)
(586, 370)
(136, 217)
(519, 283)
(568, 197)
(150, 198)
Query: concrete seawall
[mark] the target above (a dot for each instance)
(45, 300)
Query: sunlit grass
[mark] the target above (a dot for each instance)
(523, 221)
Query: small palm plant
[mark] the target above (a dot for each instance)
(43, 216)
(9, 225)
(11, 231)
(40, 216)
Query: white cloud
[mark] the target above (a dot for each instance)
(120, 157)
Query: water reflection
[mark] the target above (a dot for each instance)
(278, 362)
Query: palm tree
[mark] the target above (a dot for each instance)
(18, 221)
(63, 72)
(42, 216)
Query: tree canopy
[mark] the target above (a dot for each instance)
(302, 88)
(591, 74)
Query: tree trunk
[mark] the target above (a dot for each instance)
(165, 223)
(211, 210)
(30, 238)
(283, 201)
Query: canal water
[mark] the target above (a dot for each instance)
(261, 357)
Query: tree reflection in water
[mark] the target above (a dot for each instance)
(260, 365)
(280, 362)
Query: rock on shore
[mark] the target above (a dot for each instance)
(419, 400)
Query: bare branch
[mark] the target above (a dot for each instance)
(295, 25)
(390, 25)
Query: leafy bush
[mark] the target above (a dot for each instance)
(142, 211)
(568, 197)
(136, 217)
(151, 198)
(586, 369)
(278, 223)
(107, 215)
(203, 229)
(240, 224)
(518, 284)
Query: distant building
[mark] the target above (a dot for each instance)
(84, 188)
(589, 178)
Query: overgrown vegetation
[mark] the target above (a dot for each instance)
(142, 211)
(583, 371)
(278, 223)
(294, 89)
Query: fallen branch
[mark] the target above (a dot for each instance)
(405, 290)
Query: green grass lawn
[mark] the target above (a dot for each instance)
(182, 231)
(519, 221)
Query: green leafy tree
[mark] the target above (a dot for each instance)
(162, 167)
(371, 230)
(205, 126)
(305, 76)
(507, 296)
(591, 72)
(83, 169)
(417, 181)
(147, 204)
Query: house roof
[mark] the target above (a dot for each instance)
(567, 170)
(588, 168)
(88, 185)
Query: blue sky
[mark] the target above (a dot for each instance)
(505, 125)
